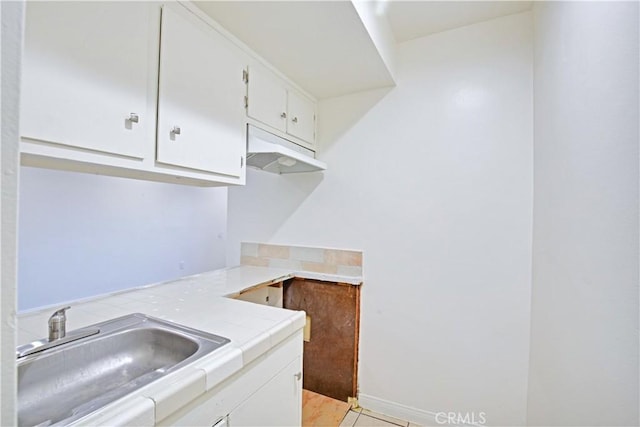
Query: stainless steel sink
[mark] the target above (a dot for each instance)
(64, 383)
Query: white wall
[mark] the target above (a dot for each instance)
(83, 235)
(12, 19)
(433, 181)
(584, 336)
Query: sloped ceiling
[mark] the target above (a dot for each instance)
(321, 45)
(325, 47)
(413, 19)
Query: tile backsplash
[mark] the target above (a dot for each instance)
(300, 258)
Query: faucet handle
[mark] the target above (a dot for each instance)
(57, 324)
(60, 312)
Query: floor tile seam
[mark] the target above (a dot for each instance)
(356, 420)
(386, 421)
(345, 417)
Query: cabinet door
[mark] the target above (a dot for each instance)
(200, 101)
(84, 71)
(301, 117)
(267, 99)
(277, 403)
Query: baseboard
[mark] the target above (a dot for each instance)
(397, 410)
(419, 416)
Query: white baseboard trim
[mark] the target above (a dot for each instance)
(397, 410)
(418, 416)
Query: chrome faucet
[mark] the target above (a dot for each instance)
(58, 324)
(57, 335)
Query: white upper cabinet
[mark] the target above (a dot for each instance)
(105, 91)
(301, 115)
(85, 74)
(267, 101)
(273, 103)
(147, 90)
(200, 102)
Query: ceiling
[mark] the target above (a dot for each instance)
(321, 45)
(413, 19)
(324, 46)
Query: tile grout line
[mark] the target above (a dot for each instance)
(386, 421)
(345, 416)
(356, 420)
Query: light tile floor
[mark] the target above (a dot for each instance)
(365, 418)
(323, 411)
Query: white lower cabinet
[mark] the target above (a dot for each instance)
(277, 403)
(266, 392)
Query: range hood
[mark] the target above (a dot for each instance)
(271, 153)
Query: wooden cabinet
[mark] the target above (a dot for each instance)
(84, 76)
(271, 102)
(92, 90)
(200, 98)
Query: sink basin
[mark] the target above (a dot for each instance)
(62, 384)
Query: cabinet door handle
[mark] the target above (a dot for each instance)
(176, 130)
(133, 118)
(283, 115)
(298, 376)
(294, 120)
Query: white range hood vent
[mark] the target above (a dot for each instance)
(271, 153)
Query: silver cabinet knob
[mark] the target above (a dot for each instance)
(133, 118)
(175, 130)
(298, 376)
(283, 115)
(294, 120)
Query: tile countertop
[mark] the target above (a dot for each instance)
(325, 277)
(199, 302)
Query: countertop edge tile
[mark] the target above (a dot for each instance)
(281, 331)
(220, 368)
(255, 347)
(173, 396)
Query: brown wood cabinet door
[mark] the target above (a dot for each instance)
(331, 355)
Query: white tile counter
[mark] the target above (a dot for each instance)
(326, 277)
(199, 302)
